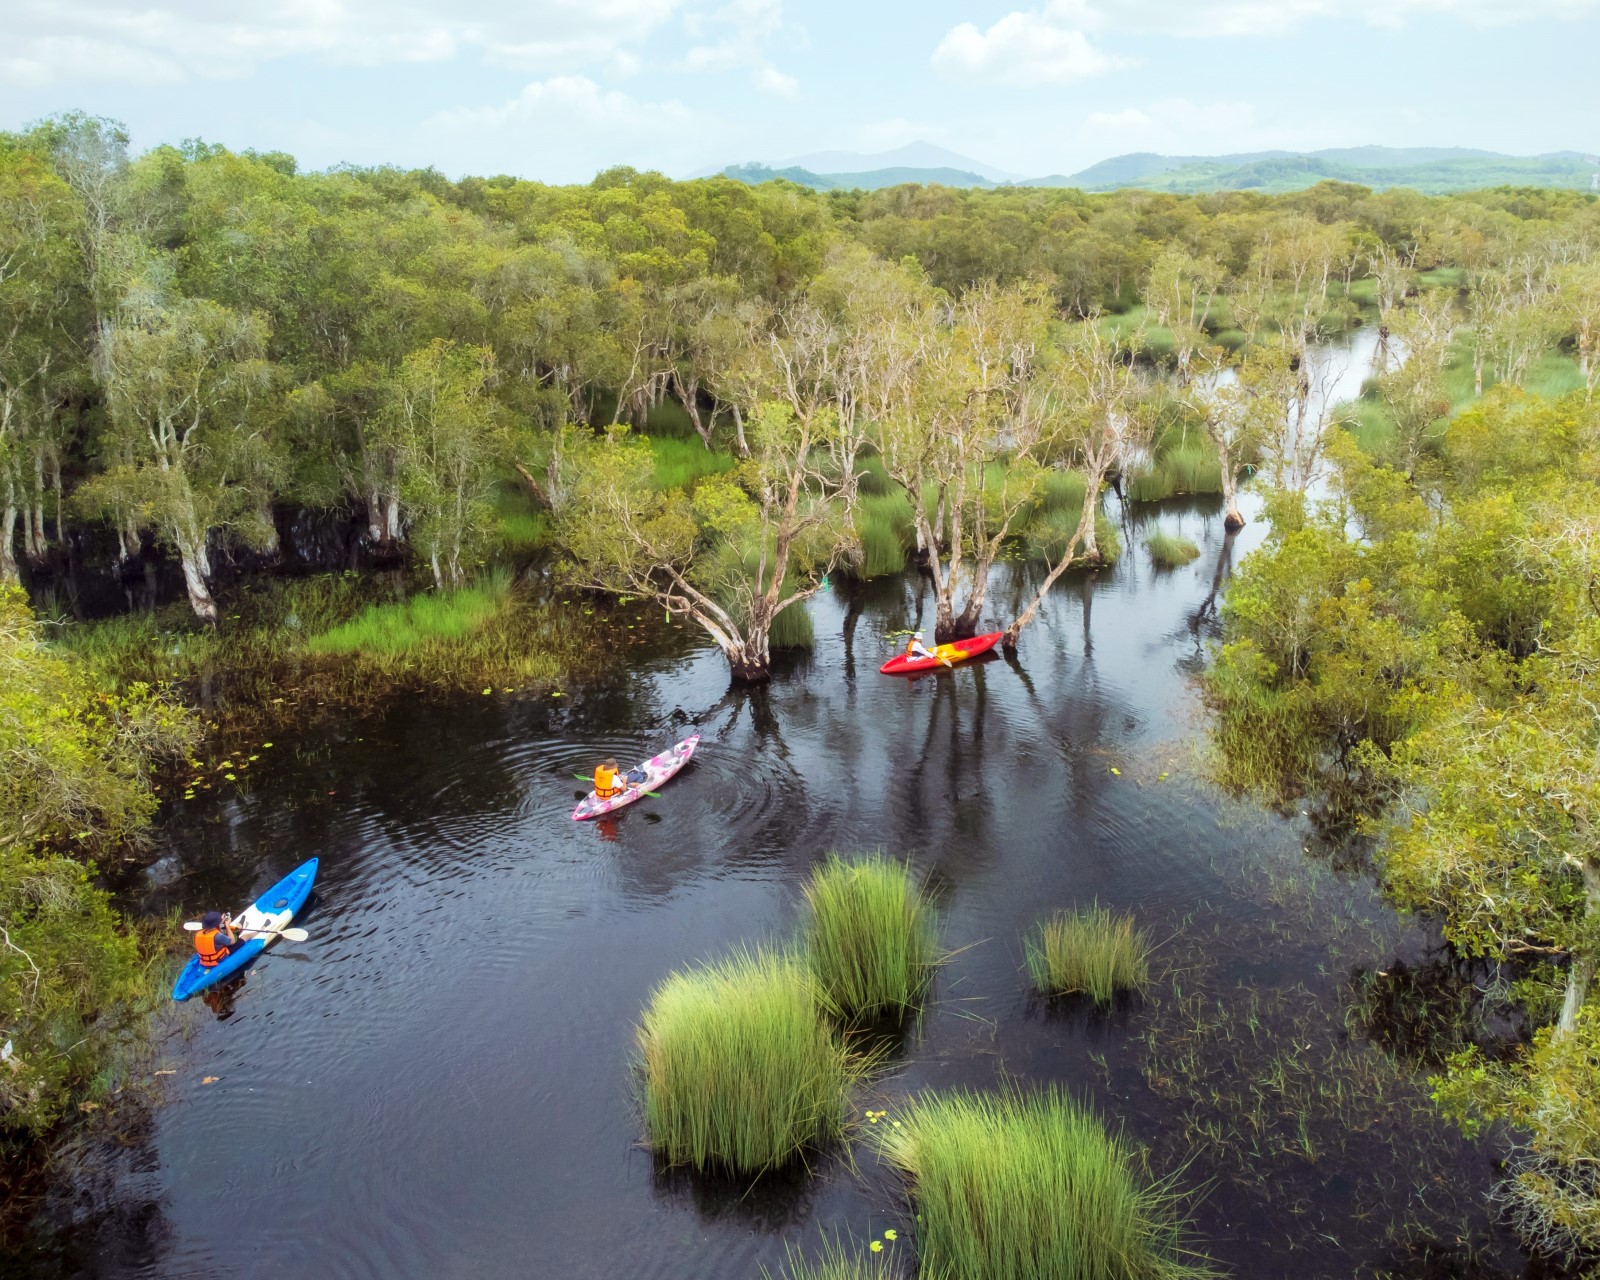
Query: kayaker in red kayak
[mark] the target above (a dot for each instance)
(916, 649)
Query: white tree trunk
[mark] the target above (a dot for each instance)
(8, 553)
(196, 569)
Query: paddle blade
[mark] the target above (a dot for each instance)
(193, 926)
(294, 935)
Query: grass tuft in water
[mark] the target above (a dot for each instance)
(1032, 1187)
(1091, 952)
(870, 935)
(741, 1070)
(834, 1263)
(1170, 551)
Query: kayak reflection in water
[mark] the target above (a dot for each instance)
(607, 825)
(220, 998)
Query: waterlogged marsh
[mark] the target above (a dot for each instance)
(443, 1073)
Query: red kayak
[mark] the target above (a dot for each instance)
(957, 652)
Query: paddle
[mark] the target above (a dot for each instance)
(654, 795)
(294, 935)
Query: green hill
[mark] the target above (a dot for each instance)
(1433, 170)
(870, 180)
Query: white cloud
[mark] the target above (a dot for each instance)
(1272, 17)
(1179, 126)
(1032, 47)
(68, 40)
(737, 37)
(563, 129)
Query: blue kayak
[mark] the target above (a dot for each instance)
(272, 910)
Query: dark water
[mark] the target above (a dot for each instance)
(438, 1082)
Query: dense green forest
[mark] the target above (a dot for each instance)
(713, 396)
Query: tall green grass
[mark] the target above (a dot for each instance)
(1191, 467)
(869, 935)
(1047, 536)
(741, 1069)
(883, 523)
(681, 462)
(1015, 1187)
(833, 1263)
(1169, 551)
(389, 629)
(1091, 952)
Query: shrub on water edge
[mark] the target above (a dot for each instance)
(1089, 951)
(869, 935)
(1170, 551)
(1032, 1187)
(741, 1071)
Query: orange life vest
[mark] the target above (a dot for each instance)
(605, 783)
(911, 645)
(210, 950)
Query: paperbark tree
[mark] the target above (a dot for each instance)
(1095, 404)
(732, 555)
(189, 446)
(962, 426)
(446, 434)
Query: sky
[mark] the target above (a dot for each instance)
(557, 90)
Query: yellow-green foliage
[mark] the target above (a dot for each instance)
(1091, 952)
(869, 934)
(741, 1069)
(75, 765)
(1031, 1187)
(74, 752)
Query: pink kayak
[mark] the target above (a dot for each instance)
(657, 770)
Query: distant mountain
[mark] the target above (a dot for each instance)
(1433, 170)
(870, 180)
(914, 155)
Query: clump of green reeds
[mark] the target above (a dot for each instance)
(834, 1263)
(1014, 1187)
(1187, 468)
(1169, 551)
(1090, 951)
(883, 523)
(681, 461)
(402, 625)
(869, 936)
(741, 1069)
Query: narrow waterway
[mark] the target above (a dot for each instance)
(439, 1082)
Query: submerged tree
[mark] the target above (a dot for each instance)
(731, 555)
(1097, 406)
(962, 434)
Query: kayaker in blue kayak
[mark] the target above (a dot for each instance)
(215, 940)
